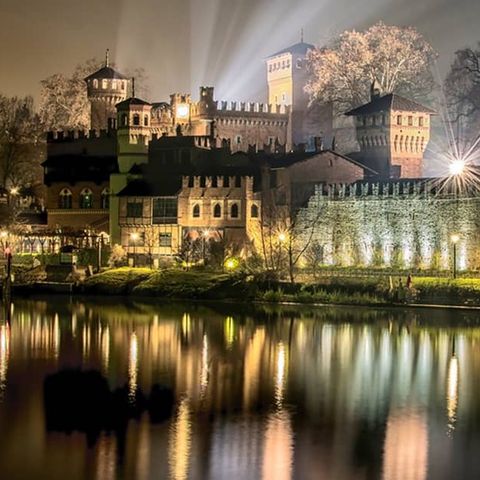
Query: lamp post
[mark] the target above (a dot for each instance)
(455, 238)
(134, 238)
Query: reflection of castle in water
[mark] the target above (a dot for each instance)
(258, 395)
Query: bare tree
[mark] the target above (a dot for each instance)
(462, 88)
(64, 102)
(398, 58)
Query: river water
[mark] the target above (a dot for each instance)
(260, 392)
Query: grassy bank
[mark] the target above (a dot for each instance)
(203, 285)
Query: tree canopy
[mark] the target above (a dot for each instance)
(398, 58)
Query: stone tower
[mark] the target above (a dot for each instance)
(287, 75)
(105, 88)
(393, 133)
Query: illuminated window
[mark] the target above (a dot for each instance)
(238, 139)
(254, 211)
(234, 211)
(86, 198)
(95, 83)
(114, 84)
(65, 199)
(217, 211)
(105, 198)
(196, 211)
(104, 84)
(165, 239)
(136, 119)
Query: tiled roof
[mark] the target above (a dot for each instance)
(299, 48)
(390, 102)
(132, 101)
(106, 72)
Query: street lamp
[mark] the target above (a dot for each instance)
(457, 167)
(134, 238)
(282, 237)
(454, 239)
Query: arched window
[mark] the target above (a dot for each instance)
(65, 199)
(136, 119)
(145, 120)
(217, 211)
(196, 211)
(124, 119)
(114, 84)
(234, 211)
(254, 211)
(95, 83)
(86, 198)
(105, 198)
(104, 84)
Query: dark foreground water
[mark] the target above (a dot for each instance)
(265, 393)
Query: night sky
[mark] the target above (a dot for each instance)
(183, 44)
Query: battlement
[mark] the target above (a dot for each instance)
(217, 181)
(421, 188)
(200, 141)
(251, 108)
(70, 135)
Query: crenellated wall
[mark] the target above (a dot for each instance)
(401, 225)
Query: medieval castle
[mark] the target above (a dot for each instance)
(157, 175)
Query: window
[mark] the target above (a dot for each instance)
(65, 199)
(299, 63)
(114, 84)
(104, 84)
(145, 120)
(95, 83)
(196, 211)
(420, 121)
(124, 119)
(238, 181)
(284, 97)
(254, 211)
(136, 119)
(217, 211)
(134, 209)
(238, 139)
(165, 210)
(165, 239)
(410, 121)
(86, 198)
(399, 119)
(105, 198)
(234, 211)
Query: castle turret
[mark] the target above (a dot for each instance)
(105, 88)
(393, 133)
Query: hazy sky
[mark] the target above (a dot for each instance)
(183, 44)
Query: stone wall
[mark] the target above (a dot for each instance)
(404, 227)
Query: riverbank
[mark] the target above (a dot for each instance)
(203, 285)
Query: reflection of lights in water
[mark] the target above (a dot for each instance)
(179, 444)
(406, 447)
(204, 368)
(105, 342)
(452, 392)
(106, 458)
(133, 366)
(56, 336)
(86, 341)
(74, 325)
(4, 355)
(251, 370)
(229, 331)
(186, 325)
(278, 449)
(280, 374)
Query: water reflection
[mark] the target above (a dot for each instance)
(272, 394)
